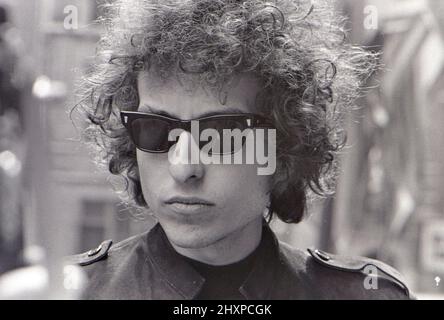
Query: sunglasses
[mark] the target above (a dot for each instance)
(150, 131)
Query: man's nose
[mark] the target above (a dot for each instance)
(185, 165)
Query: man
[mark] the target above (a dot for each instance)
(278, 72)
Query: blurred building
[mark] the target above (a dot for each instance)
(389, 202)
(68, 205)
(12, 90)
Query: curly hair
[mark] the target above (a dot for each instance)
(296, 49)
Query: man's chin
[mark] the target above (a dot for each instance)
(191, 237)
(192, 241)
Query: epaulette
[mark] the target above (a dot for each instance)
(359, 265)
(91, 256)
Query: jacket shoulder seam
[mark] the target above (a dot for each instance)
(360, 265)
(91, 256)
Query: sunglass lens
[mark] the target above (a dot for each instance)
(151, 134)
(230, 135)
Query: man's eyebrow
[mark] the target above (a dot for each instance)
(151, 109)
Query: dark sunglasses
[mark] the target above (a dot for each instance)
(150, 131)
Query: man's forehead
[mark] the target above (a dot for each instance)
(189, 97)
(163, 111)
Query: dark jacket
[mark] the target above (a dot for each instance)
(147, 267)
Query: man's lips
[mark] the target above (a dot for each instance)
(189, 201)
(188, 205)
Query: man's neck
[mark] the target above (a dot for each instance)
(230, 249)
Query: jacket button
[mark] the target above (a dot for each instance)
(322, 255)
(95, 251)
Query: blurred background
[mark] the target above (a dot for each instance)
(389, 203)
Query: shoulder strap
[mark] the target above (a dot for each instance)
(360, 265)
(91, 256)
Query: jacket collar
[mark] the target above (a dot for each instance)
(187, 282)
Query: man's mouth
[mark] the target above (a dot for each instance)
(188, 205)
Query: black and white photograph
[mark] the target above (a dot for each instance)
(221, 150)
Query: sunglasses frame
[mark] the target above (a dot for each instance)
(252, 120)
